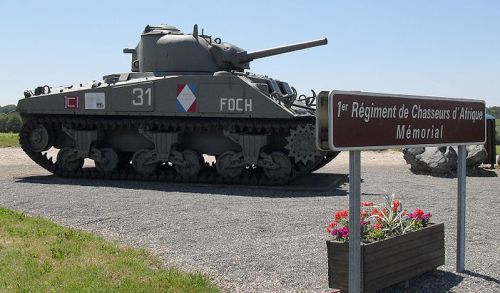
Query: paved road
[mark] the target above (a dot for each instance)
(258, 240)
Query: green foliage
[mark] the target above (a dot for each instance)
(10, 121)
(37, 255)
(378, 222)
(495, 111)
(7, 109)
(9, 140)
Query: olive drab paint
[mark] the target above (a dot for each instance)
(187, 96)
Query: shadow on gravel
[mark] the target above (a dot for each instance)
(314, 185)
(477, 172)
(431, 282)
(484, 277)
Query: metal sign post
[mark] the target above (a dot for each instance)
(461, 175)
(354, 217)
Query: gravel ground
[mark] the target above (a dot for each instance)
(260, 240)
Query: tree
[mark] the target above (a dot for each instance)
(7, 109)
(495, 111)
(13, 124)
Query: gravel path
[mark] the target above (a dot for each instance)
(259, 240)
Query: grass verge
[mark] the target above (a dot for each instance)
(40, 256)
(9, 140)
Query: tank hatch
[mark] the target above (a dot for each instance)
(161, 29)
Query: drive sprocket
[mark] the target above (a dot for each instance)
(302, 144)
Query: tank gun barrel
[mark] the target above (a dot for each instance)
(285, 49)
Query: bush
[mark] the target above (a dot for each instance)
(495, 111)
(10, 123)
(7, 109)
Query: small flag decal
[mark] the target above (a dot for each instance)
(186, 97)
(71, 102)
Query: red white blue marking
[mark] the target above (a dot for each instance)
(186, 97)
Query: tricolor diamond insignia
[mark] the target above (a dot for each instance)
(186, 98)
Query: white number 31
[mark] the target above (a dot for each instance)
(139, 94)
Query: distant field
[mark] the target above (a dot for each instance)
(37, 255)
(9, 140)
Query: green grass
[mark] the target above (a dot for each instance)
(37, 255)
(9, 140)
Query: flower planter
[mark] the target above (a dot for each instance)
(389, 261)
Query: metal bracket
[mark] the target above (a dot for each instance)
(163, 142)
(83, 142)
(251, 145)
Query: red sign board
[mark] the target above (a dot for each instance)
(359, 120)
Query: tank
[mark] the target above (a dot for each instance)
(188, 111)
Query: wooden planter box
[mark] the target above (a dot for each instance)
(389, 261)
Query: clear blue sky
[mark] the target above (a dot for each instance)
(444, 48)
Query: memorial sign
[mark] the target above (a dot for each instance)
(359, 120)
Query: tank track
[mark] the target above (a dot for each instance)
(208, 174)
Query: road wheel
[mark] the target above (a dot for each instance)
(226, 166)
(284, 167)
(139, 162)
(193, 163)
(109, 160)
(68, 160)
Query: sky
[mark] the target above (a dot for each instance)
(436, 48)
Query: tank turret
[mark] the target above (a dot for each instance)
(165, 48)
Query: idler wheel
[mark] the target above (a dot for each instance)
(141, 164)
(192, 163)
(109, 160)
(227, 166)
(283, 166)
(40, 139)
(68, 160)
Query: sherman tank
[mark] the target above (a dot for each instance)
(188, 111)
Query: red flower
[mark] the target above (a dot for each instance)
(363, 214)
(375, 212)
(377, 226)
(333, 224)
(395, 205)
(367, 204)
(418, 213)
(341, 214)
